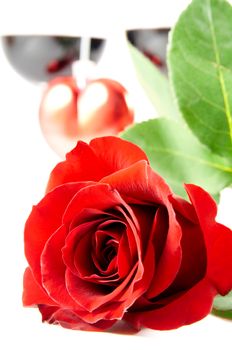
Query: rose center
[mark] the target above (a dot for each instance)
(109, 251)
(105, 246)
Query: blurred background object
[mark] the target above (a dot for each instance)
(47, 44)
(62, 50)
(84, 93)
(41, 58)
(68, 113)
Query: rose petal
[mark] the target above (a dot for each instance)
(87, 215)
(139, 184)
(115, 309)
(69, 319)
(98, 196)
(124, 257)
(53, 269)
(189, 307)
(192, 269)
(47, 312)
(91, 296)
(108, 276)
(218, 239)
(77, 167)
(103, 153)
(145, 215)
(159, 231)
(44, 220)
(184, 208)
(132, 232)
(116, 153)
(33, 293)
(148, 267)
(79, 240)
(169, 262)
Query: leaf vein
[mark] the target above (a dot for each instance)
(219, 70)
(199, 94)
(216, 131)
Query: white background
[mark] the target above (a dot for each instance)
(25, 162)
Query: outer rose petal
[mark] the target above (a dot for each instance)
(69, 319)
(117, 153)
(107, 154)
(170, 260)
(188, 308)
(81, 164)
(218, 239)
(139, 184)
(34, 294)
(47, 312)
(184, 208)
(53, 269)
(192, 269)
(44, 220)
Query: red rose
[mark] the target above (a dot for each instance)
(110, 241)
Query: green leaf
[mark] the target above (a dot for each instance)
(155, 84)
(178, 156)
(224, 314)
(200, 63)
(223, 303)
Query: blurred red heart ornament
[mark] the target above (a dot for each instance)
(68, 114)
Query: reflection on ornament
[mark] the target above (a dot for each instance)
(68, 114)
